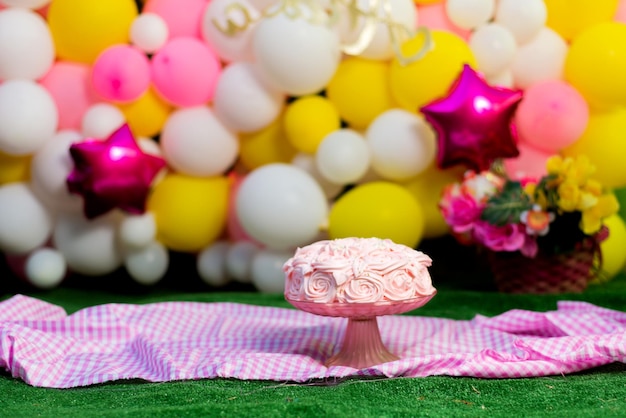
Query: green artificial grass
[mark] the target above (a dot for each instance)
(463, 293)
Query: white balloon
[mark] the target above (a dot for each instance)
(402, 144)
(25, 223)
(239, 259)
(26, 47)
(306, 162)
(147, 265)
(101, 120)
(49, 169)
(90, 247)
(243, 101)
(267, 270)
(343, 156)
(220, 16)
(149, 32)
(469, 14)
(45, 268)
(281, 206)
(211, 264)
(28, 4)
(195, 142)
(28, 117)
(138, 231)
(295, 55)
(540, 59)
(523, 18)
(379, 42)
(494, 47)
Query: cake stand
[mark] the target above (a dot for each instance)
(362, 346)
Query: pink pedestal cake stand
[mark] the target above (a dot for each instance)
(362, 346)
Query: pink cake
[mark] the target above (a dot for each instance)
(357, 270)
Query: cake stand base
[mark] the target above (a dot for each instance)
(362, 346)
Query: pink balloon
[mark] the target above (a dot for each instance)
(234, 230)
(72, 91)
(620, 14)
(434, 16)
(183, 17)
(121, 73)
(185, 72)
(551, 116)
(529, 165)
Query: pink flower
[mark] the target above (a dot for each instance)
(459, 209)
(510, 237)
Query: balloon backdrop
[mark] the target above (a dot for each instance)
(603, 84)
(114, 173)
(378, 209)
(401, 143)
(237, 130)
(190, 212)
(281, 206)
(552, 115)
(82, 29)
(474, 122)
(26, 47)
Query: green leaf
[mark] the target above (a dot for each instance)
(507, 206)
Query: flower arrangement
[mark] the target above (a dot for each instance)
(554, 213)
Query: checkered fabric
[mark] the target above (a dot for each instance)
(42, 345)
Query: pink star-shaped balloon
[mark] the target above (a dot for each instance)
(114, 173)
(473, 122)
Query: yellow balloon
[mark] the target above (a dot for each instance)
(81, 29)
(427, 189)
(613, 249)
(146, 115)
(378, 209)
(269, 145)
(569, 17)
(14, 168)
(190, 212)
(423, 2)
(308, 119)
(603, 143)
(596, 64)
(429, 78)
(360, 90)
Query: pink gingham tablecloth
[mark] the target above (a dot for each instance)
(42, 345)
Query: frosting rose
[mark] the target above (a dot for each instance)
(399, 285)
(293, 284)
(365, 289)
(319, 287)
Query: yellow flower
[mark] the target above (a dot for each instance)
(579, 170)
(555, 165)
(594, 187)
(569, 195)
(591, 221)
(586, 201)
(529, 188)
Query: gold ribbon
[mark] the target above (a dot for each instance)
(319, 15)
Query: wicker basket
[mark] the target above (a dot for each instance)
(546, 273)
